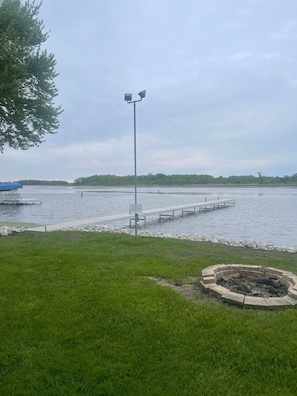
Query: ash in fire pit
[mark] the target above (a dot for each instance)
(250, 285)
(254, 286)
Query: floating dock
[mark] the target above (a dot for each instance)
(163, 212)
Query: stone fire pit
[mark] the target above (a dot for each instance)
(251, 285)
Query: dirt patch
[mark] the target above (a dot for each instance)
(190, 289)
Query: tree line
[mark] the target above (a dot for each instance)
(32, 182)
(161, 179)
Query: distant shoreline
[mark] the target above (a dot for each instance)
(210, 185)
(174, 180)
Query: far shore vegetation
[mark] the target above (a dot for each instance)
(161, 179)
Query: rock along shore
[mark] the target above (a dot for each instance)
(5, 230)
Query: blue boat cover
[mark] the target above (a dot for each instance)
(10, 186)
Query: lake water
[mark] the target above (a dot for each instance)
(264, 215)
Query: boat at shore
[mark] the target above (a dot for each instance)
(9, 195)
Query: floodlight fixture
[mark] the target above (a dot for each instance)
(142, 94)
(128, 97)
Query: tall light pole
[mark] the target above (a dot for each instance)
(136, 208)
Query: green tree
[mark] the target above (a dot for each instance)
(27, 73)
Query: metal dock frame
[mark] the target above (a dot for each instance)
(132, 220)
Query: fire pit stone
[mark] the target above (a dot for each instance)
(279, 287)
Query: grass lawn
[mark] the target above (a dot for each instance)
(80, 316)
(18, 224)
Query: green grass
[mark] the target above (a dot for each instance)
(17, 224)
(78, 316)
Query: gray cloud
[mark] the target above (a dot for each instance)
(221, 83)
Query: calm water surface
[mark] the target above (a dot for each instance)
(265, 215)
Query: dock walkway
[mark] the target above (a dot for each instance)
(163, 212)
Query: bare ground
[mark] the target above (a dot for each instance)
(189, 289)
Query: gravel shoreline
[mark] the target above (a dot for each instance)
(5, 230)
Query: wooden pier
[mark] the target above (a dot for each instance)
(186, 209)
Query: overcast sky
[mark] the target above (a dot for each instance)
(221, 82)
